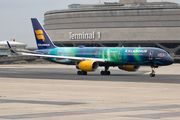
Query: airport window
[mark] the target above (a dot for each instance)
(68, 45)
(59, 45)
(177, 52)
(93, 45)
(5, 52)
(170, 45)
(110, 44)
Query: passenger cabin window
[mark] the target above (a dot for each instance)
(161, 55)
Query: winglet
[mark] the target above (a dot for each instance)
(10, 47)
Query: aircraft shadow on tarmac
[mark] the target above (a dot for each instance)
(64, 74)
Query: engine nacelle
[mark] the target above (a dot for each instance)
(130, 68)
(88, 65)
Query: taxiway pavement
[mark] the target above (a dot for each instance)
(35, 92)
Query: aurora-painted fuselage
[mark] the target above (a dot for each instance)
(114, 56)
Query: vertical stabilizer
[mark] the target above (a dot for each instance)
(42, 39)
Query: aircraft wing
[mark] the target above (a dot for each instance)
(74, 59)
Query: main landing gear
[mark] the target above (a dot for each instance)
(81, 72)
(106, 72)
(152, 74)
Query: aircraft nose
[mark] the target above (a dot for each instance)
(170, 61)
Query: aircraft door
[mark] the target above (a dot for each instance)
(151, 55)
(120, 54)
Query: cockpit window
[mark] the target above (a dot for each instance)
(161, 55)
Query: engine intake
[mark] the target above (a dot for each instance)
(88, 65)
(130, 68)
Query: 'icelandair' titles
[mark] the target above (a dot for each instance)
(43, 44)
(135, 51)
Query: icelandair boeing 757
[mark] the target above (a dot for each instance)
(89, 59)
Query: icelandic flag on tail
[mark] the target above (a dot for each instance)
(42, 39)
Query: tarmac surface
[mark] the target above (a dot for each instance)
(51, 92)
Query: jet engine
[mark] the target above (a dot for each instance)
(88, 65)
(130, 68)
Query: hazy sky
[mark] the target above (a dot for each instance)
(15, 16)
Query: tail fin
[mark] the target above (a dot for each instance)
(42, 39)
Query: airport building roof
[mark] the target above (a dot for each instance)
(3, 44)
(124, 4)
(138, 4)
(131, 1)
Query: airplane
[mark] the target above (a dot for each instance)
(88, 59)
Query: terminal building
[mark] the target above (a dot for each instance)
(4, 49)
(127, 23)
(7, 57)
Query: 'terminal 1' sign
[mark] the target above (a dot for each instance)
(85, 36)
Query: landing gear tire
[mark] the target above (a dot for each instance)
(152, 75)
(102, 72)
(81, 72)
(85, 73)
(108, 72)
(105, 72)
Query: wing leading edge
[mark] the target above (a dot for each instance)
(74, 59)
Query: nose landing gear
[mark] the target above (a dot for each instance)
(152, 74)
